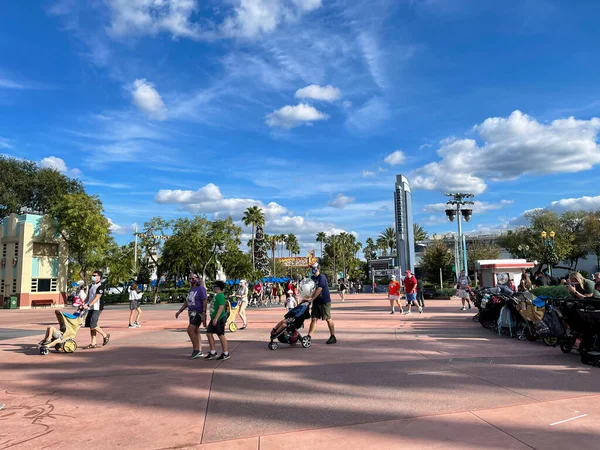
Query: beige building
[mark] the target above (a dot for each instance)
(34, 262)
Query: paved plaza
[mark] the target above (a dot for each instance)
(435, 380)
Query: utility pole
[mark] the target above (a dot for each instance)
(455, 210)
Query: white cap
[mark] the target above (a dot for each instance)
(243, 282)
(393, 277)
(315, 265)
(290, 292)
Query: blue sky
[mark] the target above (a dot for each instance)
(308, 108)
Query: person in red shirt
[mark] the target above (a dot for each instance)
(410, 288)
(394, 294)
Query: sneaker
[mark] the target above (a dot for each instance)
(1, 405)
(393, 312)
(211, 356)
(331, 340)
(420, 310)
(463, 309)
(407, 313)
(137, 324)
(106, 340)
(223, 357)
(196, 354)
(469, 306)
(132, 325)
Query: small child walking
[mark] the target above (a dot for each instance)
(218, 317)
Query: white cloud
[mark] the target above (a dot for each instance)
(209, 200)
(148, 100)
(395, 158)
(58, 164)
(10, 84)
(432, 221)
(477, 207)
(347, 104)
(151, 17)
(5, 143)
(292, 116)
(368, 173)
(316, 92)
(307, 5)
(509, 146)
(341, 201)
(369, 116)
(120, 229)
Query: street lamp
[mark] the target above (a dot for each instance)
(457, 200)
(548, 243)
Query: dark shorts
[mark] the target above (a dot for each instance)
(321, 311)
(218, 329)
(133, 305)
(195, 318)
(91, 320)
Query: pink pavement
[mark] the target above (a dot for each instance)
(426, 381)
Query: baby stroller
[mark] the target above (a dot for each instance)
(583, 319)
(233, 308)
(532, 311)
(490, 306)
(64, 340)
(286, 331)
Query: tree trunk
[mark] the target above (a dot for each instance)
(253, 264)
(321, 249)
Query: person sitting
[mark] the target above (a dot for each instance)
(581, 288)
(52, 334)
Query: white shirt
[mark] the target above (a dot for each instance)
(82, 295)
(92, 290)
(134, 295)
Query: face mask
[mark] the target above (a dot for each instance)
(314, 271)
(94, 279)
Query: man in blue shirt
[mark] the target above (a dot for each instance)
(321, 304)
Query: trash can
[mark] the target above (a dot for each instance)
(6, 302)
(12, 301)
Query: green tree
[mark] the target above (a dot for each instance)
(152, 237)
(321, 236)
(143, 275)
(437, 256)
(253, 216)
(387, 239)
(592, 232)
(81, 223)
(261, 252)
(419, 233)
(370, 249)
(479, 250)
(24, 185)
(119, 260)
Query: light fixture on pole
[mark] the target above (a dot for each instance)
(549, 254)
(457, 200)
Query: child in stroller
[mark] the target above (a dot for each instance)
(286, 331)
(63, 338)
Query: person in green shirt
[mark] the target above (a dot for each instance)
(218, 317)
(580, 287)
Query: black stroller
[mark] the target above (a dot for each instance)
(583, 319)
(286, 331)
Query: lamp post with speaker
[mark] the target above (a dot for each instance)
(458, 206)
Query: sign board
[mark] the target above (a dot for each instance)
(294, 261)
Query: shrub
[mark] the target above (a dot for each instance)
(446, 292)
(551, 291)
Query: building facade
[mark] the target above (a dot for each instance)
(34, 262)
(405, 240)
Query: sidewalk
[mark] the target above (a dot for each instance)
(432, 380)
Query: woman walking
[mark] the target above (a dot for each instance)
(242, 297)
(134, 306)
(342, 289)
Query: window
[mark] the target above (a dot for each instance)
(16, 249)
(14, 287)
(44, 285)
(41, 249)
(4, 251)
(1, 289)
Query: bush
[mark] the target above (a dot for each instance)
(446, 292)
(116, 298)
(551, 291)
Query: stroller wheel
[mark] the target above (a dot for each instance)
(69, 346)
(306, 341)
(44, 350)
(550, 341)
(58, 347)
(531, 334)
(476, 318)
(566, 347)
(233, 327)
(273, 346)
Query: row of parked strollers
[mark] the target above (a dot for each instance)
(568, 323)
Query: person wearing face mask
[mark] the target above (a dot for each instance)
(321, 304)
(195, 303)
(95, 305)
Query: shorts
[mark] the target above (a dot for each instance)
(91, 320)
(195, 318)
(56, 334)
(462, 293)
(218, 329)
(321, 311)
(394, 297)
(133, 305)
(411, 297)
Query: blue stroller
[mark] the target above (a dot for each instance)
(286, 331)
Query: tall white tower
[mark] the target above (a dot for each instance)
(405, 239)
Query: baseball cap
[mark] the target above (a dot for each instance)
(315, 265)
(243, 282)
(393, 277)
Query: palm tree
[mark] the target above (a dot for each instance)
(370, 249)
(254, 217)
(321, 236)
(387, 238)
(419, 233)
(282, 238)
(291, 244)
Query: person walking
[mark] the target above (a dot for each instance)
(342, 289)
(394, 295)
(410, 289)
(95, 305)
(195, 303)
(463, 287)
(279, 292)
(218, 317)
(134, 306)
(321, 304)
(242, 297)
(420, 293)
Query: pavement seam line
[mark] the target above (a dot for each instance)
(502, 431)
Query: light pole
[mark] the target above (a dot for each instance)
(548, 243)
(457, 200)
